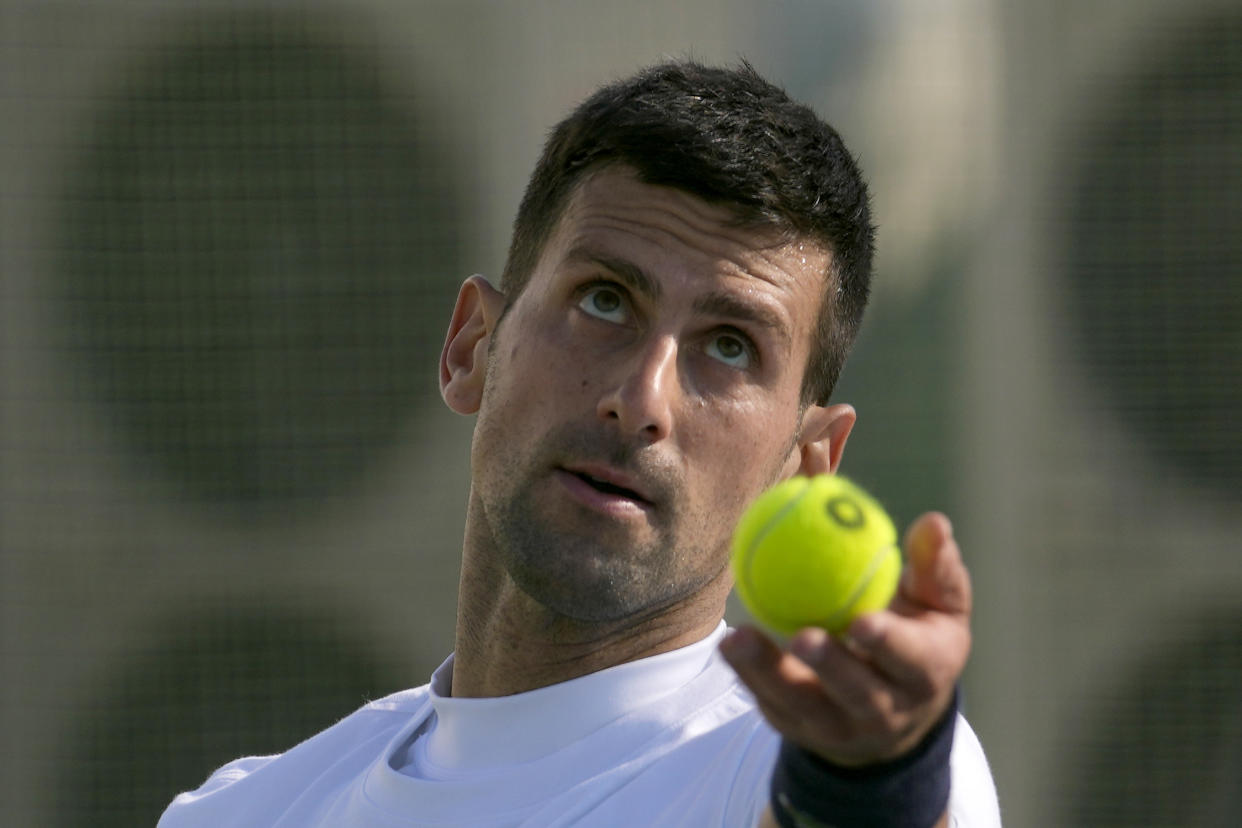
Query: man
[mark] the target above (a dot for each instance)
(688, 269)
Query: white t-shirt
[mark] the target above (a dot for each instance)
(671, 740)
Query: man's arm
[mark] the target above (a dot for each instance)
(874, 694)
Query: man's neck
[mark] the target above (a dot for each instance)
(499, 658)
(507, 643)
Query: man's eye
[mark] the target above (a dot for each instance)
(729, 349)
(604, 302)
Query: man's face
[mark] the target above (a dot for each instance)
(641, 390)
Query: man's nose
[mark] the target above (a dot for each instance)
(643, 394)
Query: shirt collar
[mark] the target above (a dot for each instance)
(480, 733)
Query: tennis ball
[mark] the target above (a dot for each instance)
(814, 552)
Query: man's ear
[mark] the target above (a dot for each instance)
(824, 432)
(463, 362)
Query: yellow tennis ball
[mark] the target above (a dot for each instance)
(815, 552)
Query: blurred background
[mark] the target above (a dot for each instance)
(231, 499)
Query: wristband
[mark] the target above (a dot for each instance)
(911, 791)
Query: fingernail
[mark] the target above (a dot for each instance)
(948, 526)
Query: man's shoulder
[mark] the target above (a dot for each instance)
(259, 787)
(375, 718)
(403, 701)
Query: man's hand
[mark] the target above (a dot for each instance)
(872, 694)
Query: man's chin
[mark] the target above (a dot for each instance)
(591, 579)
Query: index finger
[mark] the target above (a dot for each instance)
(922, 655)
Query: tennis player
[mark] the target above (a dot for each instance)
(688, 269)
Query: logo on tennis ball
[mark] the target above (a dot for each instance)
(814, 552)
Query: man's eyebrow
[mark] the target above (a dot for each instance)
(731, 307)
(634, 276)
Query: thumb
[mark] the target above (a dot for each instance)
(935, 577)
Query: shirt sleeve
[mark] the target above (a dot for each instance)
(972, 798)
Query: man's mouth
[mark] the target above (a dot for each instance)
(609, 488)
(609, 482)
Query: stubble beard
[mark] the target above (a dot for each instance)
(594, 579)
(587, 567)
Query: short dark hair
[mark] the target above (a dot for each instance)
(731, 138)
